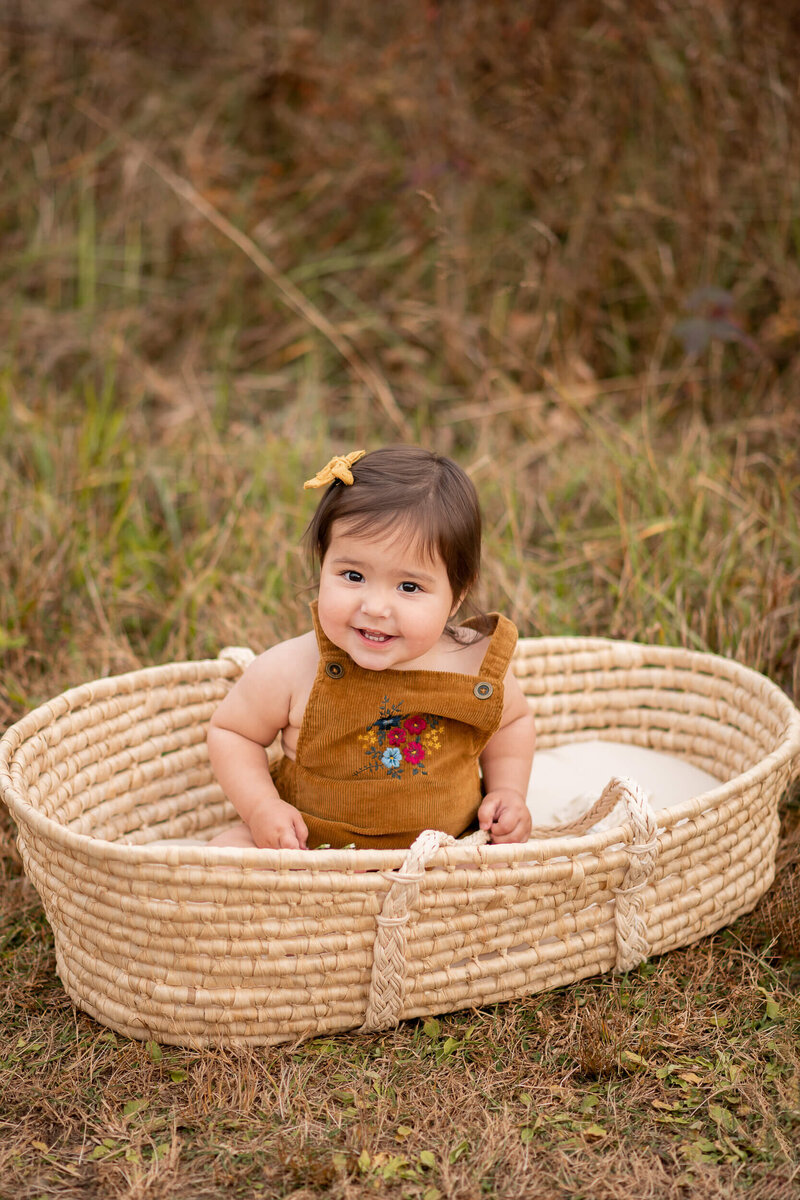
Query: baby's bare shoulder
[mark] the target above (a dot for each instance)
(263, 698)
(292, 658)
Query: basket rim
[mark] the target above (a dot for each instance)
(537, 849)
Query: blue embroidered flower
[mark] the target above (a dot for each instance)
(391, 757)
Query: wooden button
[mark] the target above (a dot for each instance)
(483, 690)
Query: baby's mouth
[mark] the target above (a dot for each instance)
(374, 636)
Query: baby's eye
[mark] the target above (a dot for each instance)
(409, 588)
(353, 576)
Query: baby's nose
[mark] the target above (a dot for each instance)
(375, 602)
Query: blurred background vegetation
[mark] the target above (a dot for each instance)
(558, 241)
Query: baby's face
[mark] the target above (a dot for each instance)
(383, 601)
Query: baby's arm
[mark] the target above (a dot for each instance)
(249, 718)
(506, 764)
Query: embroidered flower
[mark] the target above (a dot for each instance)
(415, 724)
(399, 744)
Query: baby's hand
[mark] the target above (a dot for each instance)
(278, 826)
(505, 817)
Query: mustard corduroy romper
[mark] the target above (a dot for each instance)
(382, 755)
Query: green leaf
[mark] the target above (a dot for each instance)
(432, 1028)
(722, 1116)
(154, 1051)
(773, 1010)
(394, 1167)
(364, 1161)
(427, 1158)
(132, 1107)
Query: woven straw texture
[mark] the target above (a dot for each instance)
(194, 945)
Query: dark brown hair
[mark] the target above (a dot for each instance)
(412, 492)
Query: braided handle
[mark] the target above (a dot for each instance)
(602, 806)
(633, 946)
(387, 982)
(630, 912)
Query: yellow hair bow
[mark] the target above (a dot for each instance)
(337, 468)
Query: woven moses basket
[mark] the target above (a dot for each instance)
(197, 945)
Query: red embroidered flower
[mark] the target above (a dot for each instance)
(396, 736)
(413, 752)
(415, 724)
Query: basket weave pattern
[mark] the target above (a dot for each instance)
(194, 945)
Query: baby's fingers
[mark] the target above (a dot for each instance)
(300, 832)
(509, 819)
(514, 826)
(518, 833)
(292, 834)
(503, 828)
(489, 812)
(279, 826)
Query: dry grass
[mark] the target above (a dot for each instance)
(235, 237)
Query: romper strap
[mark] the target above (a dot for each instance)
(501, 647)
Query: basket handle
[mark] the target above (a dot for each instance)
(630, 911)
(240, 656)
(630, 914)
(389, 952)
(616, 789)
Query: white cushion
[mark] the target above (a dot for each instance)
(565, 781)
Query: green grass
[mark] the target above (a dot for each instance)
(236, 242)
